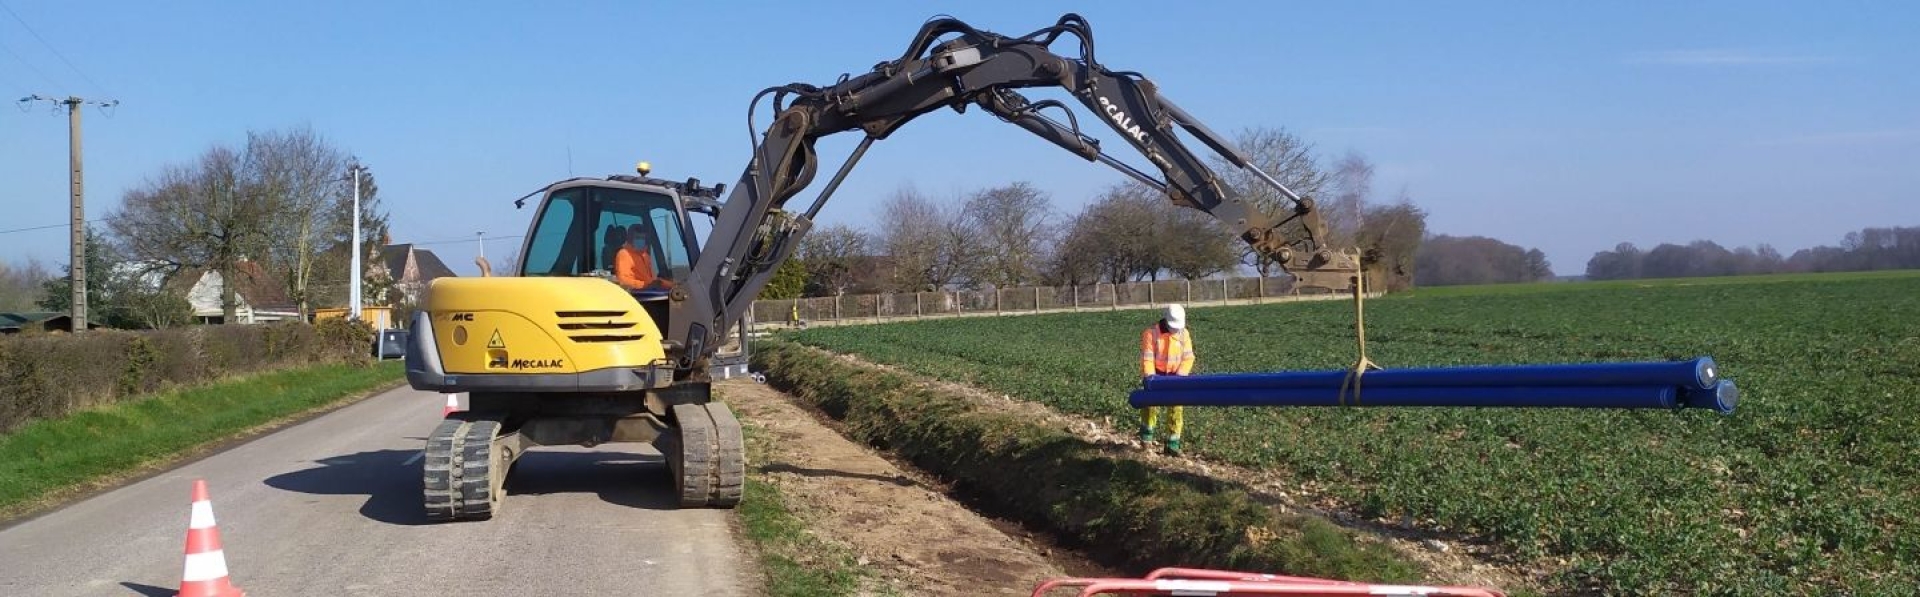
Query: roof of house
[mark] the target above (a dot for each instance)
(256, 287)
(430, 266)
(261, 289)
(19, 320)
(14, 320)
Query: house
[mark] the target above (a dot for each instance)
(411, 268)
(261, 298)
(44, 321)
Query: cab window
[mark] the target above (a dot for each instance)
(582, 229)
(549, 253)
(620, 210)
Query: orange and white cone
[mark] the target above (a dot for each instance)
(206, 568)
(453, 405)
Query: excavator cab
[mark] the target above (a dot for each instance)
(563, 239)
(582, 227)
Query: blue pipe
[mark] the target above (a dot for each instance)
(1507, 397)
(1722, 397)
(1697, 374)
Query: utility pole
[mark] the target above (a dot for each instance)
(483, 243)
(353, 293)
(77, 270)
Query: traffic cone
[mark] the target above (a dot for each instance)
(453, 405)
(206, 568)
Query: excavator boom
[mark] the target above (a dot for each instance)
(950, 64)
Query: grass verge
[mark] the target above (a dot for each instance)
(1122, 511)
(796, 564)
(45, 459)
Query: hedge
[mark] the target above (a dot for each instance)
(50, 375)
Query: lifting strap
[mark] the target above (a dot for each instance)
(1362, 364)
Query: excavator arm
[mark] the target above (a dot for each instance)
(950, 64)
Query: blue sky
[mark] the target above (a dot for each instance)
(1563, 126)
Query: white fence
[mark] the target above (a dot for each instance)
(870, 308)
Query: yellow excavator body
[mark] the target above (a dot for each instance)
(540, 325)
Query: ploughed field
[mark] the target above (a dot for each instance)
(1812, 487)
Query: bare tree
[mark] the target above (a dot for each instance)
(1390, 235)
(1191, 244)
(1009, 230)
(1349, 184)
(202, 215)
(1114, 237)
(1289, 160)
(303, 177)
(281, 201)
(1076, 258)
(20, 284)
(926, 242)
(833, 256)
(1622, 263)
(1449, 260)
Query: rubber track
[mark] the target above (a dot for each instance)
(730, 458)
(442, 470)
(693, 477)
(476, 479)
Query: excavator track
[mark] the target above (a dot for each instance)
(730, 462)
(707, 456)
(480, 478)
(463, 477)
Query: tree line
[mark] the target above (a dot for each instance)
(1012, 235)
(1454, 260)
(275, 211)
(1867, 249)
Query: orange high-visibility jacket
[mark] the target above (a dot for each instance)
(1165, 352)
(633, 267)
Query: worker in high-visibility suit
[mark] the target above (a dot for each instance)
(1166, 348)
(633, 265)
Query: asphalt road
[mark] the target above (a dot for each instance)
(332, 507)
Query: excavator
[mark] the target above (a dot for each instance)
(557, 353)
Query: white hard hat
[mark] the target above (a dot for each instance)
(1175, 316)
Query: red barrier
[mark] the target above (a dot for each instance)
(1203, 583)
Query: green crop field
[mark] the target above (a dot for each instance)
(1813, 487)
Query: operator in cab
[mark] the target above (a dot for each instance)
(633, 265)
(1166, 348)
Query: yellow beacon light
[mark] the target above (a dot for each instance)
(643, 168)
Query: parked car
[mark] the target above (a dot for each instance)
(390, 344)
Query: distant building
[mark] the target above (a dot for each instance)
(412, 269)
(259, 298)
(39, 321)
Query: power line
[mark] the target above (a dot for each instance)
(36, 70)
(56, 52)
(49, 226)
(451, 241)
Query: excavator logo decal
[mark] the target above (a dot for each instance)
(538, 363)
(1121, 119)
